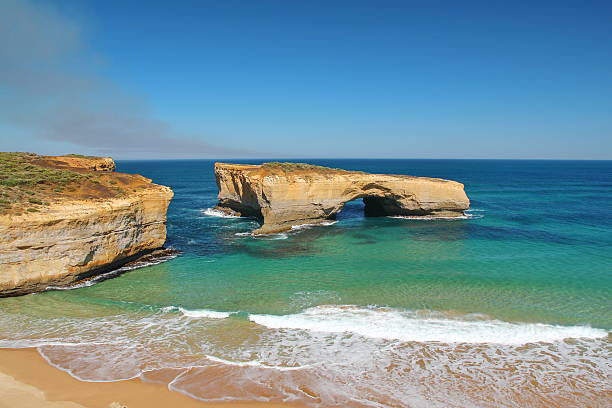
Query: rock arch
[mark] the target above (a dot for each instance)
(282, 195)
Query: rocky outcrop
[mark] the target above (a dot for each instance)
(78, 162)
(70, 239)
(282, 195)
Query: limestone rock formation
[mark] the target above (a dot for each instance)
(96, 224)
(282, 195)
(78, 162)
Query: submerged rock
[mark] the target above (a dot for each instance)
(282, 195)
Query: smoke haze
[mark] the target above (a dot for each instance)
(50, 88)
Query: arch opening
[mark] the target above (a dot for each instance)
(350, 210)
(368, 206)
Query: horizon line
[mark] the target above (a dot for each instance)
(349, 158)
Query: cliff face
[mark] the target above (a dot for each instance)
(283, 195)
(92, 229)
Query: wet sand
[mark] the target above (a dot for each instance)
(27, 381)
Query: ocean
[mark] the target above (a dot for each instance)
(510, 306)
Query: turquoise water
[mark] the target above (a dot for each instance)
(364, 312)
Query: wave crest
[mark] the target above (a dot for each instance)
(395, 324)
(205, 313)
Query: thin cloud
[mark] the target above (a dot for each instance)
(49, 85)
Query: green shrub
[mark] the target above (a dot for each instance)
(17, 171)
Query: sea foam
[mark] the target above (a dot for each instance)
(308, 226)
(212, 212)
(205, 313)
(434, 218)
(253, 363)
(331, 355)
(394, 324)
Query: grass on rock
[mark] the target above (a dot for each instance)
(17, 170)
(288, 166)
(28, 182)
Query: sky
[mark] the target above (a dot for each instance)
(307, 79)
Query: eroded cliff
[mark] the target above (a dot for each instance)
(76, 161)
(282, 195)
(63, 219)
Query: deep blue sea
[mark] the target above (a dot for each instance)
(511, 306)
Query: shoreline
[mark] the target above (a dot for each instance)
(28, 381)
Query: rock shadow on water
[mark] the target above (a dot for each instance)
(299, 243)
(276, 250)
(364, 239)
(433, 230)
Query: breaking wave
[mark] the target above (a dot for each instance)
(212, 212)
(210, 314)
(328, 356)
(426, 326)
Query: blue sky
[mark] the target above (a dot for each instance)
(385, 79)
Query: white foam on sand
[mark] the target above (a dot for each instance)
(332, 355)
(252, 363)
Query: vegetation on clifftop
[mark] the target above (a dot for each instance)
(29, 182)
(289, 166)
(17, 170)
(81, 156)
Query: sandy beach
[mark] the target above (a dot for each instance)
(27, 381)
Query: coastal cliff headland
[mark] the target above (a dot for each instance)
(66, 218)
(284, 195)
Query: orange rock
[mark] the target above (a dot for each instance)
(83, 233)
(282, 195)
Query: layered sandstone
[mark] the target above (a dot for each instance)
(93, 225)
(282, 195)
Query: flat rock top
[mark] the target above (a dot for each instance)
(30, 183)
(275, 168)
(75, 161)
(299, 170)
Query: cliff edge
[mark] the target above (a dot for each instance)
(66, 218)
(282, 195)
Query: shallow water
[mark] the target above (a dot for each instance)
(510, 306)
